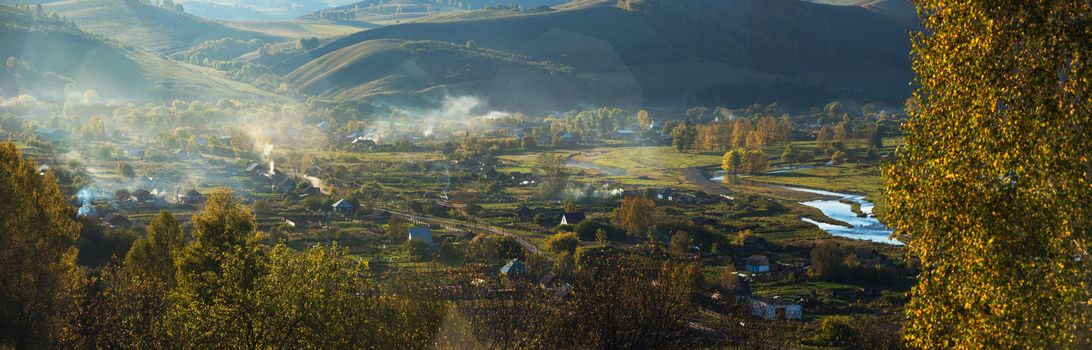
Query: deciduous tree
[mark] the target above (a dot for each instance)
(992, 186)
(154, 255)
(635, 215)
(37, 252)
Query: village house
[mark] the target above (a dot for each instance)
(665, 194)
(513, 268)
(523, 179)
(572, 218)
(775, 308)
(422, 234)
(757, 263)
(117, 220)
(51, 134)
(141, 196)
(523, 212)
(283, 185)
(344, 207)
(623, 134)
(490, 174)
(190, 197)
(301, 222)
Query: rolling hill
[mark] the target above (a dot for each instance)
(257, 10)
(147, 26)
(415, 72)
(388, 12)
(60, 50)
(662, 53)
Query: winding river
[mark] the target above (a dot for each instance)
(864, 228)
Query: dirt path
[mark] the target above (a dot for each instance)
(695, 176)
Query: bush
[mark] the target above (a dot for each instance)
(827, 262)
(541, 220)
(418, 250)
(448, 252)
(508, 247)
(563, 242)
(125, 170)
(587, 229)
(681, 243)
(728, 282)
(836, 331)
(700, 235)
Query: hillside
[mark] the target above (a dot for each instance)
(302, 28)
(256, 10)
(415, 72)
(707, 52)
(146, 26)
(59, 50)
(389, 12)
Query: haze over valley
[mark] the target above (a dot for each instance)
(545, 174)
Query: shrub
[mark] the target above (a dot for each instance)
(418, 250)
(563, 242)
(587, 230)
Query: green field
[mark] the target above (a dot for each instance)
(643, 166)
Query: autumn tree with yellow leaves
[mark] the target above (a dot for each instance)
(993, 188)
(635, 215)
(37, 252)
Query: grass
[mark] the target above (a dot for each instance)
(301, 28)
(862, 178)
(653, 166)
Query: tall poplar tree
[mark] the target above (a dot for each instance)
(994, 185)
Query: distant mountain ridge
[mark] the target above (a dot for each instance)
(668, 53)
